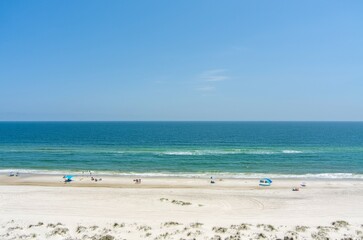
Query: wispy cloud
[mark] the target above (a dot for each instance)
(215, 75)
(206, 89)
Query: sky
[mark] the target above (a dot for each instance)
(190, 60)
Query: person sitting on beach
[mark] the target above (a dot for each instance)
(137, 181)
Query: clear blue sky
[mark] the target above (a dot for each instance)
(181, 60)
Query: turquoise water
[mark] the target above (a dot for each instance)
(236, 149)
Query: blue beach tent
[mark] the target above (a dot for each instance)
(265, 182)
(68, 178)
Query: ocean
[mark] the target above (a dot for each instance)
(189, 149)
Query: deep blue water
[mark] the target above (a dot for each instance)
(235, 148)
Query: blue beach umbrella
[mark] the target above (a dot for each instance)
(68, 177)
(268, 180)
(265, 182)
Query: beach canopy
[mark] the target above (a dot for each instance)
(68, 177)
(266, 180)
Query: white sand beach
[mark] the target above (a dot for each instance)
(44, 207)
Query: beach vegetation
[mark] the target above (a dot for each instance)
(240, 227)
(266, 227)
(320, 235)
(261, 236)
(178, 202)
(340, 224)
(120, 225)
(291, 235)
(326, 228)
(185, 229)
(106, 237)
(219, 229)
(36, 225)
(106, 230)
(301, 228)
(288, 238)
(60, 231)
(80, 229)
(14, 228)
(163, 235)
(196, 233)
(144, 228)
(196, 225)
(216, 237)
(94, 227)
(171, 223)
(5, 235)
(234, 237)
(52, 225)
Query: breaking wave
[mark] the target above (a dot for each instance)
(224, 152)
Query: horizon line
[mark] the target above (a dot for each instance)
(3, 121)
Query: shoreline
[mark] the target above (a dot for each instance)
(57, 180)
(187, 175)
